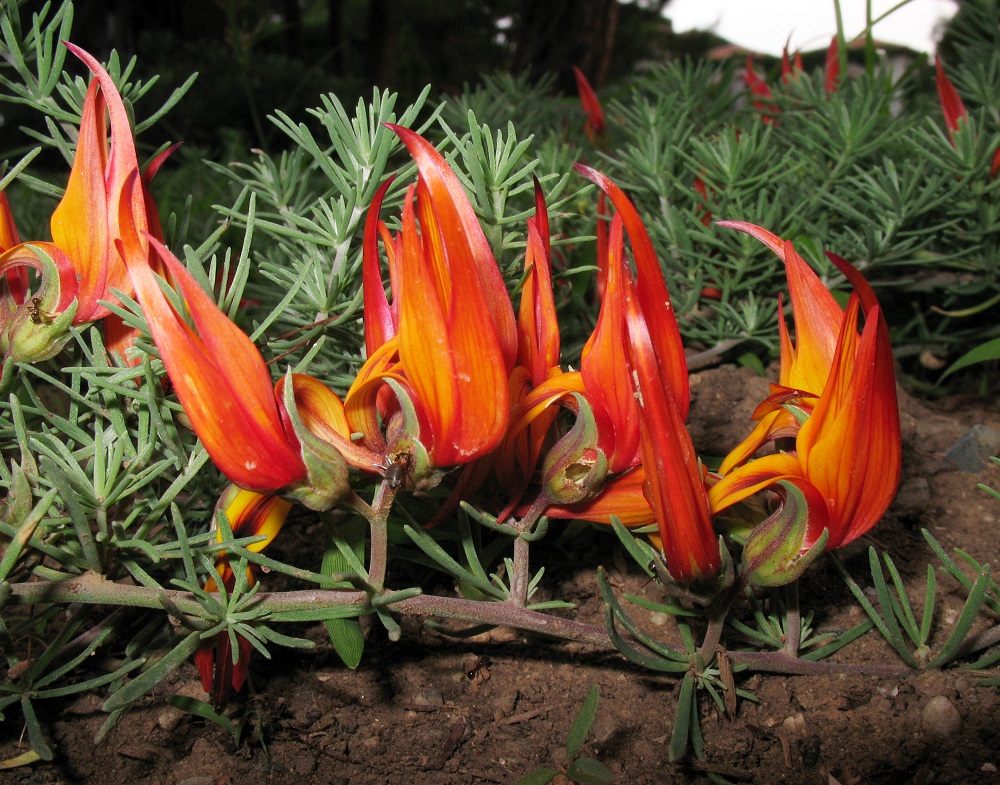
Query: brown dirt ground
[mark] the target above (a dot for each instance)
(411, 714)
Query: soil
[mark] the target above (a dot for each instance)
(430, 710)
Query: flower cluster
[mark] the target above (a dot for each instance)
(455, 378)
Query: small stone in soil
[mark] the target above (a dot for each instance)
(940, 717)
(973, 449)
(429, 699)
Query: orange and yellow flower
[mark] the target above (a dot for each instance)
(80, 267)
(848, 449)
(450, 362)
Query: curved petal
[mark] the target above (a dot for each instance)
(605, 366)
(850, 446)
(220, 379)
(746, 480)
(654, 299)
(19, 259)
(17, 278)
(324, 415)
(379, 326)
(460, 220)
(816, 313)
(675, 485)
(537, 327)
(760, 435)
(251, 514)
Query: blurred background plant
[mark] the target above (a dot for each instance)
(106, 484)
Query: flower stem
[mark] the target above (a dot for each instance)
(519, 576)
(793, 620)
(93, 589)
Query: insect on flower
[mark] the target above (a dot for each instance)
(398, 469)
(38, 316)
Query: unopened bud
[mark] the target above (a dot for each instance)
(782, 546)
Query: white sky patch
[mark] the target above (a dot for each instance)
(765, 25)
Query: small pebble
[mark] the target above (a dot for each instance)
(603, 729)
(430, 698)
(794, 724)
(659, 619)
(504, 634)
(940, 717)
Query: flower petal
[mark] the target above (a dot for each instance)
(757, 475)
(379, 326)
(651, 288)
(220, 378)
(605, 366)
(446, 189)
(675, 485)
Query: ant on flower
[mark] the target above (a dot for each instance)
(38, 316)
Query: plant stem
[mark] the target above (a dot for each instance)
(780, 662)
(793, 620)
(717, 612)
(94, 589)
(378, 515)
(519, 575)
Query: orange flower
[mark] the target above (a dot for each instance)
(249, 514)
(805, 365)
(292, 438)
(453, 363)
(85, 223)
(81, 265)
(848, 449)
